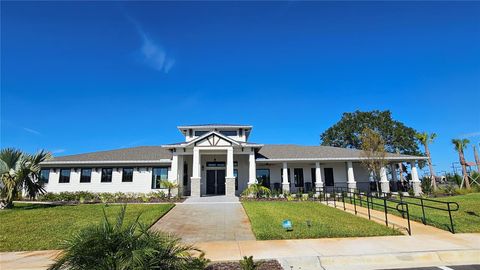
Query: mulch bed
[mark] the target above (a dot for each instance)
(265, 265)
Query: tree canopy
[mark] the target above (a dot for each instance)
(396, 135)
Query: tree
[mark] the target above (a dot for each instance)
(460, 145)
(477, 159)
(169, 186)
(20, 171)
(373, 153)
(347, 132)
(425, 139)
(126, 246)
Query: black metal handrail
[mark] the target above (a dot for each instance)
(448, 208)
(354, 196)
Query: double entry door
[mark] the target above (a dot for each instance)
(215, 182)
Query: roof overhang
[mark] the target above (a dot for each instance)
(107, 162)
(408, 158)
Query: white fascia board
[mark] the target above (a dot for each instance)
(109, 162)
(336, 159)
(213, 126)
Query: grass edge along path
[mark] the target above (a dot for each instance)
(325, 222)
(39, 227)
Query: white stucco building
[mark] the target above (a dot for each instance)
(217, 159)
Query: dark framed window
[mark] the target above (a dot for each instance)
(64, 176)
(44, 175)
(85, 175)
(200, 132)
(314, 175)
(127, 175)
(228, 132)
(298, 177)
(106, 175)
(185, 174)
(158, 175)
(328, 173)
(263, 177)
(216, 164)
(235, 174)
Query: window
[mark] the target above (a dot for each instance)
(216, 164)
(85, 175)
(200, 132)
(235, 174)
(314, 175)
(158, 175)
(263, 177)
(298, 177)
(228, 132)
(64, 176)
(106, 175)
(44, 175)
(127, 175)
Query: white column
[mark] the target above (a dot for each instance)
(351, 183)
(394, 176)
(252, 169)
(180, 175)
(230, 178)
(195, 179)
(417, 188)
(173, 176)
(318, 177)
(285, 183)
(384, 184)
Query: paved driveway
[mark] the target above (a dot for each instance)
(207, 219)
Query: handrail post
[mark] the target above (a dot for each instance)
(343, 200)
(334, 198)
(423, 212)
(386, 215)
(408, 220)
(450, 216)
(368, 206)
(354, 203)
(401, 201)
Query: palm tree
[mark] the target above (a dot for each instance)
(20, 171)
(116, 245)
(168, 185)
(477, 159)
(460, 145)
(256, 190)
(425, 139)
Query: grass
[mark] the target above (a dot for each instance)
(39, 227)
(466, 219)
(326, 222)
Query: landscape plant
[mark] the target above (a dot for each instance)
(247, 263)
(121, 245)
(373, 154)
(425, 139)
(169, 186)
(256, 191)
(460, 145)
(19, 172)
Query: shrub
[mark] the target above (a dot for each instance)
(256, 190)
(427, 185)
(247, 263)
(126, 246)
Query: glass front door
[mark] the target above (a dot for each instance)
(215, 182)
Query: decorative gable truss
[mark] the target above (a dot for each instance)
(214, 140)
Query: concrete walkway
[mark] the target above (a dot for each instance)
(331, 254)
(216, 218)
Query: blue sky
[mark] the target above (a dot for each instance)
(79, 77)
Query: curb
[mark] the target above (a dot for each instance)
(384, 261)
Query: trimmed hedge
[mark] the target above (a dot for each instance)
(105, 197)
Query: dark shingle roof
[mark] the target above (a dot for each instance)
(143, 153)
(291, 151)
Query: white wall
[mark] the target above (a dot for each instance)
(142, 182)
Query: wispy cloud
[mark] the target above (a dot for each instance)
(469, 135)
(58, 151)
(33, 131)
(152, 53)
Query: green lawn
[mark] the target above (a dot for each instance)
(37, 227)
(466, 219)
(267, 217)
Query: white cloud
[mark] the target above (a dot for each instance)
(469, 135)
(33, 131)
(152, 53)
(58, 151)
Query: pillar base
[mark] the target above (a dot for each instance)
(385, 186)
(417, 188)
(286, 188)
(352, 186)
(318, 188)
(230, 186)
(195, 186)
